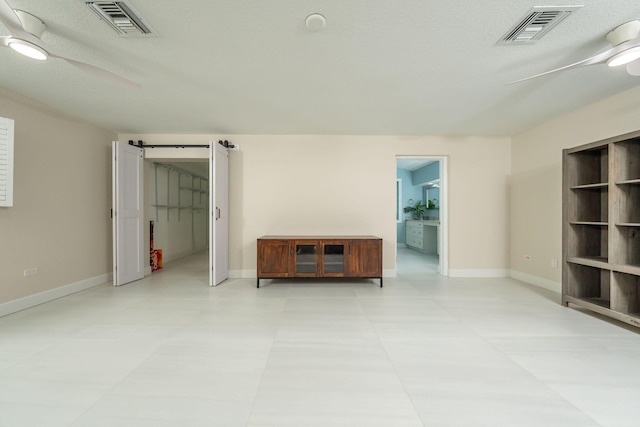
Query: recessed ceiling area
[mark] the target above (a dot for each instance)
(372, 67)
(413, 164)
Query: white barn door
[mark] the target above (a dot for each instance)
(219, 213)
(128, 231)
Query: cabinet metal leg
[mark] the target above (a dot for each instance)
(381, 282)
(258, 282)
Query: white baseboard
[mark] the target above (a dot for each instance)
(389, 272)
(537, 281)
(52, 294)
(479, 273)
(243, 274)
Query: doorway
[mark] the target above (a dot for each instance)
(176, 209)
(131, 231)
(421, 215)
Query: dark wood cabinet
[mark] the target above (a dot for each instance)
(275, 255)
(364, 258)
(319, 256)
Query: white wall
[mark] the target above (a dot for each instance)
(60, 222)
(536, 186)
(309, 184)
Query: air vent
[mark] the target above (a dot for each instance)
(121, 17)
(536, 23)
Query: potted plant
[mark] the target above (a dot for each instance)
(418, 209)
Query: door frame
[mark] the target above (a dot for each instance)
(172, 153)
(444, 210)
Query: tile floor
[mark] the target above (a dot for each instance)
(422, 351)
(412, 262)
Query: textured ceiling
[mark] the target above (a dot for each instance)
(379, 67)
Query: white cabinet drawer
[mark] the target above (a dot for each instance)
(421, 236)
(415, 242)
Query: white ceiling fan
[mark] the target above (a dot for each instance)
(26, 30)
(625, 51)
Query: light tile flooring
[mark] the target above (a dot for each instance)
(422, 351)
(412, 262)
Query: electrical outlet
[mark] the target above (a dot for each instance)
(554, 263)
(30, 272)
(528, 257)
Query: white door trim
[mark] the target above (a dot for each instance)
(444, 211)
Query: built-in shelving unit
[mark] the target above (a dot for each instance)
(601, 227)
(191, 195)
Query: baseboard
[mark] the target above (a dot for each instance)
(242, 274)
(389, 273)
(20, 304)
(479, 273)
(537, 281)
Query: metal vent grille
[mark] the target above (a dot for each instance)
(121, 17)
(536, 23)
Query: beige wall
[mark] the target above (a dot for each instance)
(346, 185)
(298, 185)
(60, 222)
(536, 186)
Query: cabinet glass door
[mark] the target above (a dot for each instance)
(306, 258)
(333, 258)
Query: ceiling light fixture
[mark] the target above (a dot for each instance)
(315, 22)
(624, 57)
(26, 48)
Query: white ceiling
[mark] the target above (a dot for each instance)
(413, 164)
(382, 67)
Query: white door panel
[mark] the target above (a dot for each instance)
(128, 232)
(219, 218)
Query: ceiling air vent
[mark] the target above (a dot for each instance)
(536, 23)
(121, 17)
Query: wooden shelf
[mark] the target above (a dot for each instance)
(597, 307)
(629, 182)
(591, 186)
(599, 262)
(602, 269)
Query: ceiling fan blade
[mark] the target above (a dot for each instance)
(596, 59)
(10, 19)
(101, 73)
